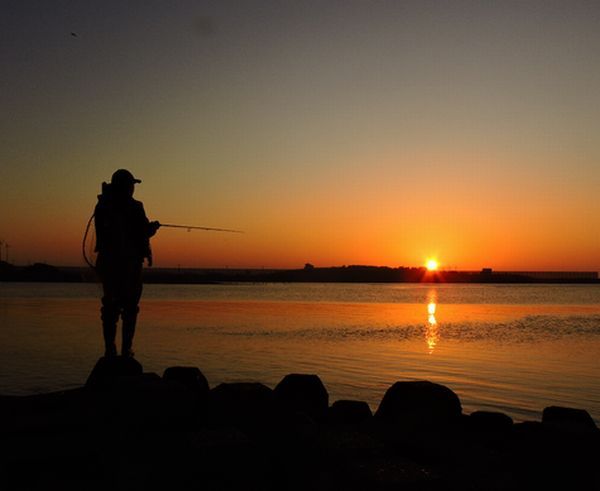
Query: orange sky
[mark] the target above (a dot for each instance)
(332, 133)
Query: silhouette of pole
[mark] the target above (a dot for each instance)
(6, 246)
(192, 227)
(1, 242)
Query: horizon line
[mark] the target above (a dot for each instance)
(268, 268)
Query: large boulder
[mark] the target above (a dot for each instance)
(109, 368)
(489, 421)
(147, 401)
(303, 393)
(349, 412)
(190, 377)
(568, 419)
(246, 405)
(419, 402)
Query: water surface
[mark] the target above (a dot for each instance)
(512, 348)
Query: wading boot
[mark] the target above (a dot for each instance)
(109, 331)
(128, 332)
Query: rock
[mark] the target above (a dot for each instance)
(490, 421)
(148, 401)
(546, 458)
(419, 402)
(109, 369)
(64, 410)
(190, 377)
(568, 419)
(139, 383)
(241, 404)
(297, 431)
(349, 412)
(531, 430)
(303, 393)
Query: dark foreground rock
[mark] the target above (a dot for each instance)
(488, 421)
(568, 419)
(191, 378)
(349, 412)
(244, 405)
(420, 402)
(109, 368)
(303, 393)
(132, 430)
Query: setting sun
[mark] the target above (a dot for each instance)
(432, 265)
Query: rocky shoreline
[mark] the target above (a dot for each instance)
(126, 429)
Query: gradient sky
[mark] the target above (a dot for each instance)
(332, 132)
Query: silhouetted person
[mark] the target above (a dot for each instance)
(122, 242)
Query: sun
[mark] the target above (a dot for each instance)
(432, 265)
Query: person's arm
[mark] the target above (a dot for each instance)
(153, 228)
(148, 229)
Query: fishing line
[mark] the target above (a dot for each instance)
(192, 227)
(85, 235)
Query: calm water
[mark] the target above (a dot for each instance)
(512, 348)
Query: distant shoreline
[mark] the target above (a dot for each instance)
(40, 272)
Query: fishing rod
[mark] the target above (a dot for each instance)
(193, 227)
(170, 225)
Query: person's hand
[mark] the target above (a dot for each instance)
(153, 227)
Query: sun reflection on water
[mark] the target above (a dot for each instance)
(432, 335)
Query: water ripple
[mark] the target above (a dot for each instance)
(527, 329)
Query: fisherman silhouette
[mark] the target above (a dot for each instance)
(122, 242)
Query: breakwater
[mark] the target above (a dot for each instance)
(126, 429)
